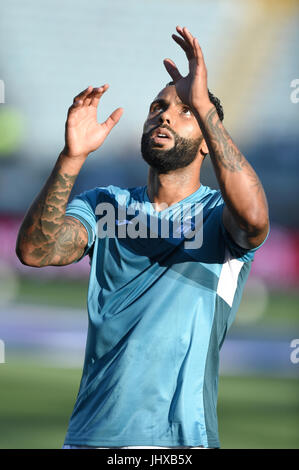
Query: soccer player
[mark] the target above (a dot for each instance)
(158, 308)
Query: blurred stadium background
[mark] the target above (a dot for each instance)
(49, 52)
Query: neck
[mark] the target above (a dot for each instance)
(172, 187)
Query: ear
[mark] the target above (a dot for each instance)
(204, 149)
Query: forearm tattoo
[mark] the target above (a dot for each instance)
(224, 151)
(50, 237)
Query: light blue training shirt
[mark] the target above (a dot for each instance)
(158, 313)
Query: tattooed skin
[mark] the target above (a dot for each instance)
(47, 235)
(245, 214)
(225, 151)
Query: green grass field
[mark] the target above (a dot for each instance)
(282, 307)
(36, 402)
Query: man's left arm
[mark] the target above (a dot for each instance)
(245, 215)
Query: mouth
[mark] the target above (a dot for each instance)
(161, 135)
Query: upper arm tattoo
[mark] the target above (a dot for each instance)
(71, 242)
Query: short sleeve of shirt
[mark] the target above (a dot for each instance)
(237, 251)
(82, 208)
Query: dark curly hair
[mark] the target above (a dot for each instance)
(216, 102)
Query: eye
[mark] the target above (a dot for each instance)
(155, 107)
(186, 111)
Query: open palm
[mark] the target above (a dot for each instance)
(83, 133)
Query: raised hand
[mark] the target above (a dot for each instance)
(83, 133)
(192, 89)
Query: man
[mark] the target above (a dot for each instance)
(158, 309)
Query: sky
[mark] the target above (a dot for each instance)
(51, 50)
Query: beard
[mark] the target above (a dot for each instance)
(182, 153)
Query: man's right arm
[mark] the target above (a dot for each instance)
(47, 236)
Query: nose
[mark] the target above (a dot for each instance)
(164, 117)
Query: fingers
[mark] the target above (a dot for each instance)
(197, 50)
(181, 42)
(82, 95)
(172, 70)
(112, 119)
(186, 35)
(90, 96)
(97, 94)
(188, 43)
